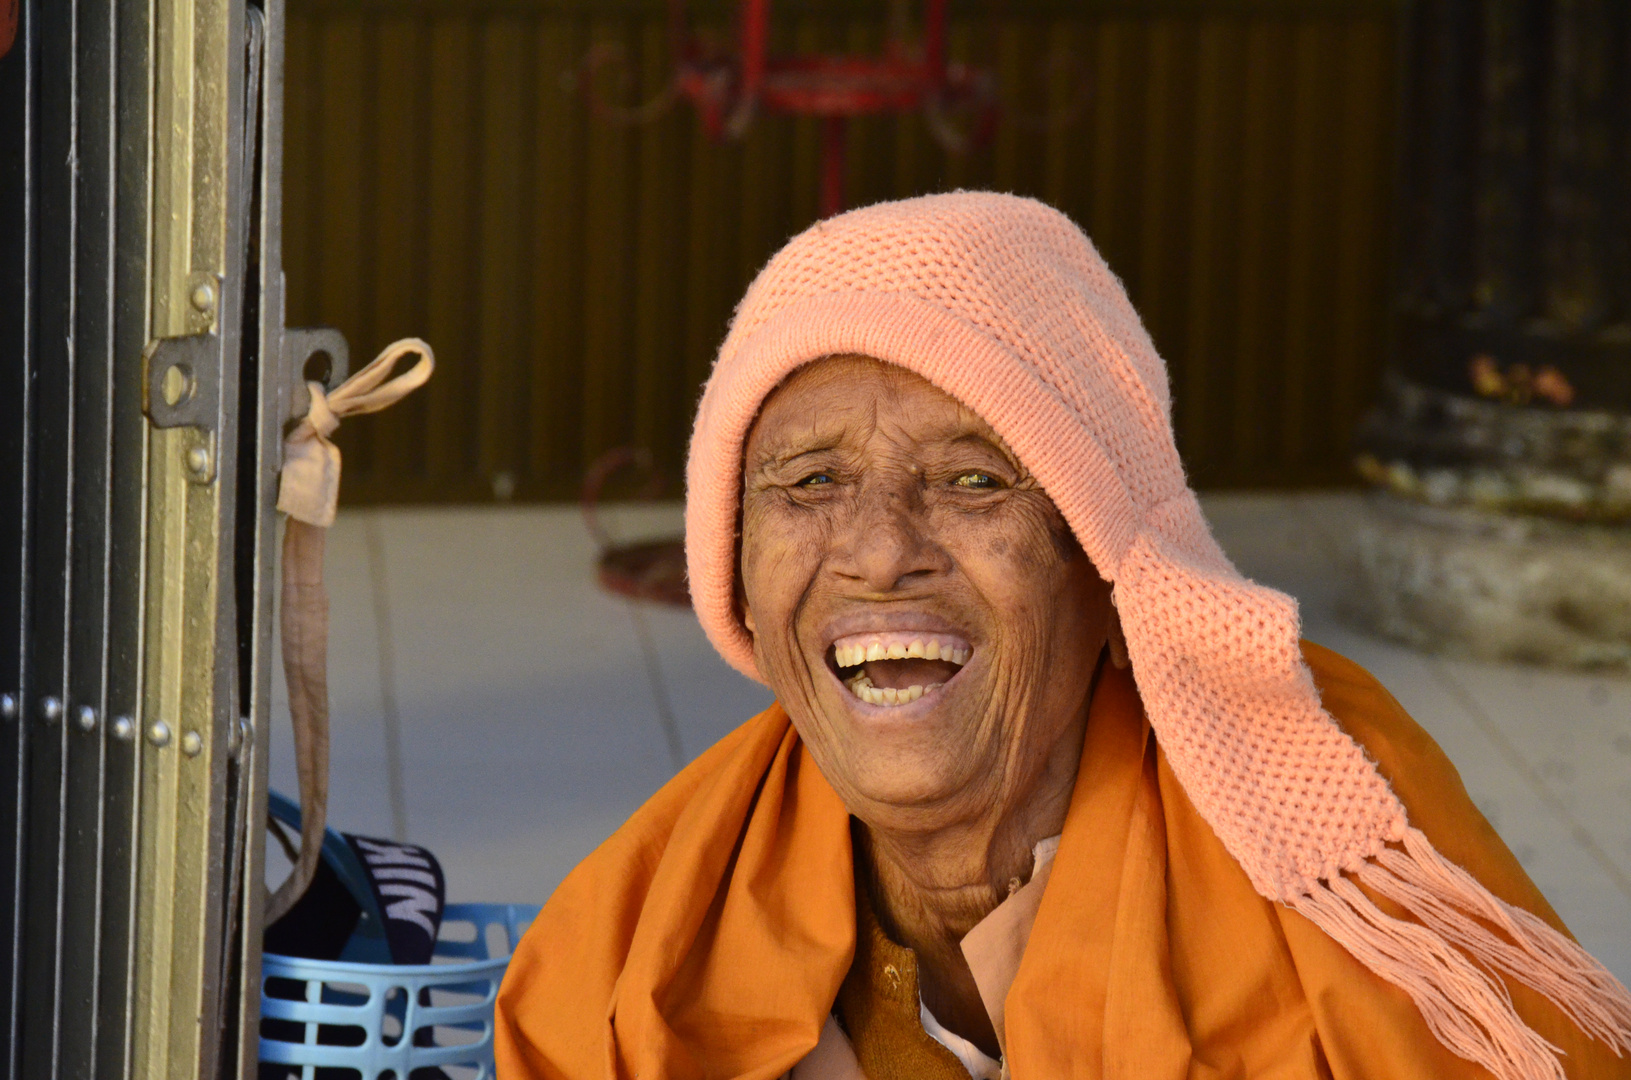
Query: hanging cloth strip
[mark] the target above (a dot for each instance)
(309, 493)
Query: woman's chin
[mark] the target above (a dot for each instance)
(908, 786)
(912, 755)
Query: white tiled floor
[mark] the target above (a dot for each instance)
(526, 728)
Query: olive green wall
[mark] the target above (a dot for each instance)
(1232, 160)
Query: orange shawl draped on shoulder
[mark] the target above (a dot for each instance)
(709, 935)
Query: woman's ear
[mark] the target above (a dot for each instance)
(1116, 639)
(743, 612)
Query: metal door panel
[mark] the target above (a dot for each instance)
(140, 198)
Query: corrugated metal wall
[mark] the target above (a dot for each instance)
(1232, 160)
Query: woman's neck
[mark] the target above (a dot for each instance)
(930, 889)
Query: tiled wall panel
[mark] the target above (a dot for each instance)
(1232, 159)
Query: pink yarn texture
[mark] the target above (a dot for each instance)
(1003, 303)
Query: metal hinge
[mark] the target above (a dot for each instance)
(181, 388)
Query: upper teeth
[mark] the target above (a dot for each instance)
(926, 648)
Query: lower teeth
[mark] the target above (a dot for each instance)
(862, 687)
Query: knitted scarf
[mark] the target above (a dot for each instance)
(1003, 303)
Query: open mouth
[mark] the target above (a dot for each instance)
(897, 667)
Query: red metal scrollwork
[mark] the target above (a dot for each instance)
(730, 91)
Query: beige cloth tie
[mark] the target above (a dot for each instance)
(309, 493)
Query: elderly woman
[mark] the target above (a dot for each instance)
(1049, 789)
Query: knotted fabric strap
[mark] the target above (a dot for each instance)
(309, 492)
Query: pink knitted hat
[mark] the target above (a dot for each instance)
(1005, 305)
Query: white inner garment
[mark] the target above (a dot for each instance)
(975, 1060)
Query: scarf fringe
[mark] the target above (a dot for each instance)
(1445, 962)
(1534, 954)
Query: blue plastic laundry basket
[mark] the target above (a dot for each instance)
(384, 1018)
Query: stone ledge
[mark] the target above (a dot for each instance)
(1485, 585)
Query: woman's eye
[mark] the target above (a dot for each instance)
(978, 480)
(815, 480)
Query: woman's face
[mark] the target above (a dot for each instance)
(916, 601)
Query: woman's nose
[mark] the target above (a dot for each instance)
(890, 539)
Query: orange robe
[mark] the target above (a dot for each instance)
(708, 937)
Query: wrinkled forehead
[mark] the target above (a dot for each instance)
(847, 399)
